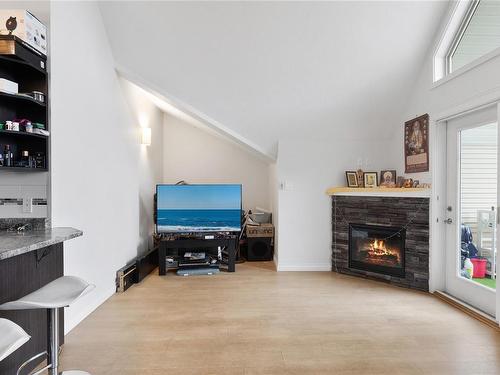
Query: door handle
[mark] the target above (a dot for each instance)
(449, 221)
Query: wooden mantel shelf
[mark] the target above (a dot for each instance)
(381, 192)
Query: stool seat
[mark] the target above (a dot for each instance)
(12, 338)
(58, 293)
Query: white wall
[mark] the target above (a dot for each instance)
(100, 172)
(197, 156)
(145, 114)
(308, 169)
(465, 90)
(264, 69)
(274, 204)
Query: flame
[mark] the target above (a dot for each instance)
(379, 248)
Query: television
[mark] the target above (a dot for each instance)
(198, 208)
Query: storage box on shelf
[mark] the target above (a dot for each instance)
(23, 24)
(24, 121)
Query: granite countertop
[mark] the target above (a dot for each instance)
(13, 243)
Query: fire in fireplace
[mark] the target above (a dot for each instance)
(377, 248)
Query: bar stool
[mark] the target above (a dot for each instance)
(57, 294)
(12, 338)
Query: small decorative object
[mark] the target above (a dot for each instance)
(408, 183)
(400, 181)
(370, 179)
(352, 179)
(39, 160)
(388, 178)
(360, 173)
(426, 185)
(12, 126)
(416, 183)
(417, 144)
(11, 24)
(39, 96)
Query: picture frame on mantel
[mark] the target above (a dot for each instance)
(388, 178)
(370, 179)
(352, 179)
(416, 144)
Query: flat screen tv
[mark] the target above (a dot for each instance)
(198, 208)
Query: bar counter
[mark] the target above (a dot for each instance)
(28, 261)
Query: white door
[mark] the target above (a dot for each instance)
(472, 176)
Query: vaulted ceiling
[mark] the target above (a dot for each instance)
(273, 70)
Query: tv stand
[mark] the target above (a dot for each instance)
(171, 246)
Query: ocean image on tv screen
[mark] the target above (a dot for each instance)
(198, 208)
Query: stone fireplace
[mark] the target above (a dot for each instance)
(382, 236)
(377, 248)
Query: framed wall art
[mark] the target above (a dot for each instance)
(417, 145)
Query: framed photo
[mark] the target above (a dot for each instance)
(388, 178)
(370, 179)
(352, 179)
(417, 145)
(400, 181)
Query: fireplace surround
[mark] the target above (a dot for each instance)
(392, 213)
(377, 248)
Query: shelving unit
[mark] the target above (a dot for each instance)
(28, 68)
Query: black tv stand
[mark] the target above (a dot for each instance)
(172, 245)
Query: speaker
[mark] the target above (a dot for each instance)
(259, 248)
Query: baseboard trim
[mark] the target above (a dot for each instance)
(468, 309)
(72, 321)
(304, 268)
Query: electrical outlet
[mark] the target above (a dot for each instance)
(27, 205)
(286, 186)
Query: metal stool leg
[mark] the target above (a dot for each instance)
(53, 340)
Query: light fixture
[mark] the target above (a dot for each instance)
(146, 136)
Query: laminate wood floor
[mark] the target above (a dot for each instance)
(258, 321)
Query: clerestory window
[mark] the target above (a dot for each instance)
(477, 35)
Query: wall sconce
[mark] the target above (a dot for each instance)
(146, 136)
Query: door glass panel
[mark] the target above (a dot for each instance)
(478, 197)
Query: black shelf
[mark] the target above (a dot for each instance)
(15, 50)
(22, 134)
(14, 61)
(24, 98)
(22, 169)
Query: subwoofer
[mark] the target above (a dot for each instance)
(260, 240)
(259, 248)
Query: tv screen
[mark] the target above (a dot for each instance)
(198, 208)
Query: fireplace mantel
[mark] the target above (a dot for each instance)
(380, 192)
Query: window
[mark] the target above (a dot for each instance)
(471, 32)
(478, 34)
